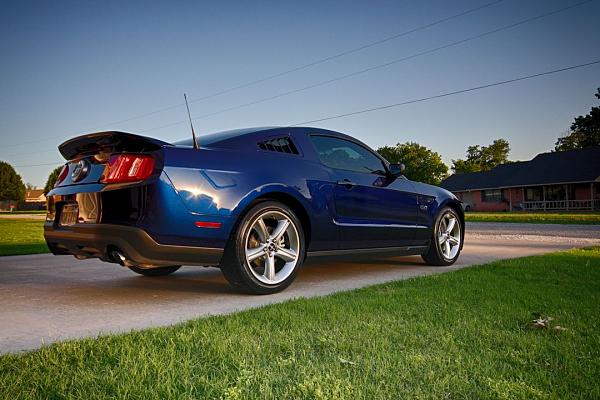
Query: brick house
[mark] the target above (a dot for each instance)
(567, 180)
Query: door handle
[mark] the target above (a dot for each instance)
(346, 182)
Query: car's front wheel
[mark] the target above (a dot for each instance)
(445, 243)
(266, 250)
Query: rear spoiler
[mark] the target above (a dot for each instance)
(108, 142)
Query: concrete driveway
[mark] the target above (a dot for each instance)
(45, 298)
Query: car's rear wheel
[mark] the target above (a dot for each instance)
(159, 271)
(266, 250)
(445, 243)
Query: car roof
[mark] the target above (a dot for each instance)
(206, 140)
(216, 139)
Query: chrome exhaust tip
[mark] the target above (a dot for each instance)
(119, 258)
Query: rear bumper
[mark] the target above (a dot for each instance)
(96, 240)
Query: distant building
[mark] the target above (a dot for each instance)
(566, 180)
(34, 200)
(35, 196)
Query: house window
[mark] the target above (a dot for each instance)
(534, 194)
(491, 196)
(555, 193)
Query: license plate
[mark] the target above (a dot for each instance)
(69, 214)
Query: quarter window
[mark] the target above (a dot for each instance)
(281, 145)
(343, 154)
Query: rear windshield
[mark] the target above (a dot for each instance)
(211, 138)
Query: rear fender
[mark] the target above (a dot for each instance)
(225, 183)
(169, 221)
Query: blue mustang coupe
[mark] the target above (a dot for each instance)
(254, 202)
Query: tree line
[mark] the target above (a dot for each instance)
(422, 164)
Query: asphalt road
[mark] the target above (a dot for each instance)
(45, 298)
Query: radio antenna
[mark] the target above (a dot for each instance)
(194, 140)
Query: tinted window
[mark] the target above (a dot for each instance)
(281, 145)
(344, 154)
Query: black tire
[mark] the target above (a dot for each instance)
(435, 253)
(238, 271)
(159, 271)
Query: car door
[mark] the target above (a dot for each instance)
(372, 209)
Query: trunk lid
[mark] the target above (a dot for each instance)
(88, 155)
(107, 143)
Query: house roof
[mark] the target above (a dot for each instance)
(546, 168)
(34, 193)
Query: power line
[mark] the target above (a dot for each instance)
(35, 152)
(354, 50)
(374, 67)
(286, 72)
(437, 96)
(423, 99)
(369, 69)
(39, 165)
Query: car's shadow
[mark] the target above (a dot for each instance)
(121, 285)
(210, 280)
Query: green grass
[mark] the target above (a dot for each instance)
(458, 335)
(535, 218)
(21, 236)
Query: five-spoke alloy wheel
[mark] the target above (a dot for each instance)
(266, 250)
(445, 244)
(272, 246)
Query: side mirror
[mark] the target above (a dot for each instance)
(397, 169)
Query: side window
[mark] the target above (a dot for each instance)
(343, 154)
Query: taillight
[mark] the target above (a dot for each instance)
(128, 168)
(62, 176)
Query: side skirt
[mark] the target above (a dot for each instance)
(388, 251)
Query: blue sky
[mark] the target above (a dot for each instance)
(72, 67)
